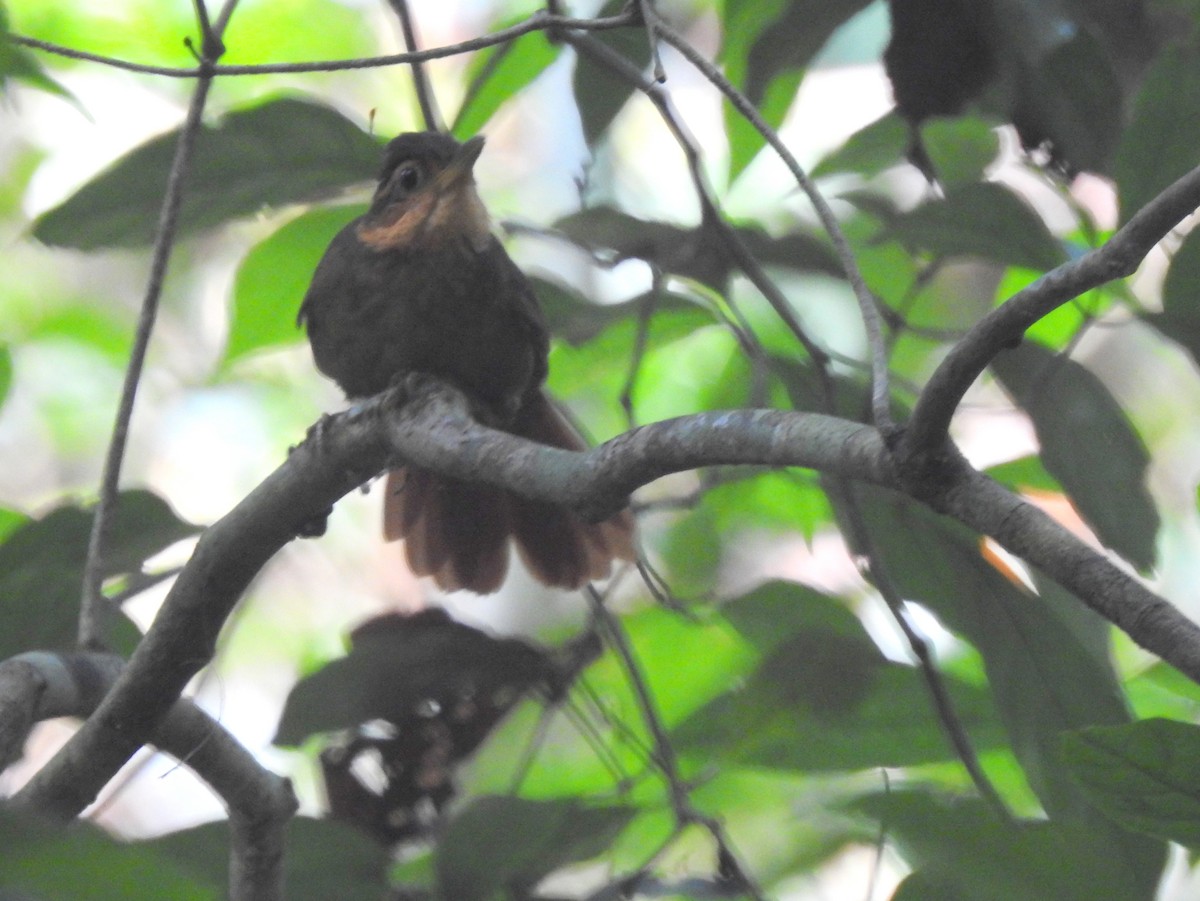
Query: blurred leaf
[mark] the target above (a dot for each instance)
(780, 499)
(576, 319)
(1142, 774)
(600, 93)
(985, 220)
(971, 854)
(1160, 143)
(1180, 318)
(1043, 673)
(1070, 97)
(767, 48)
(41, 569)
(6, 372)
(497, 74)
(397, 662)
(961, 148)
(695, 253)
(824, 679)
(18, 63)
(284, 151)
(273, 278)
(510, 844)
(39, 862)
(1088, 445)
(324, 859)
(1024, 474)
(870, 150)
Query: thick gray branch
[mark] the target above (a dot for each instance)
(40, 685)
(429, 425)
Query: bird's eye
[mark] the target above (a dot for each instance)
(408, 177)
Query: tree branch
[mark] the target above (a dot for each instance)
(425, 423)
(40, 685)
(1005, 326)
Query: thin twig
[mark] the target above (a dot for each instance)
(943, 704)
(425, 98)
(880, 394)
(93, 613)
(539, 21)
(650, 20)
(664, 752)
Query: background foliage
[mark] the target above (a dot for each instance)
(789, 698)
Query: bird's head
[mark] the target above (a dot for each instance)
(426, 196)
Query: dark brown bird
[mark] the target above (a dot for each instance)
(420, 284)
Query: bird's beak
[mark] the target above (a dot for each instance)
(461, 166)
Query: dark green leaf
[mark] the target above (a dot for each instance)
(498, 74)
(41, 569)
(1042, 669)
(1070, 97)
(397, 662)
(870, 150)
(697, 253)
(600, 93)
(1088, 445)
(772, 45)
(985, 220)
(38, 862)
(284, 151)
(324, 859)
(1180, 318)
(971, 854)
(1162, 141)
(510, 844)
(273, 277)
(961, 149)
(823, 678)
(576, 319)
(17, 62)
(1142, 774)
(1044, 678)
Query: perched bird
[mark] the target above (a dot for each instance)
(420, 284)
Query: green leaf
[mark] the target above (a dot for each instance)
(575, 319)
(961, 148)
(870, 150)
(510, 844)
(284, 151)
(767, 47)
(695, 253)
(1160, 143)
(1044, 677)
(398, 662)
(18, 63)
(498, 74)
(971, 854)
(41, 569)
(38, 862)
(985, 220)
(273, 278)
(1087, 444)
(1180, 318)
(822, 677)
(324, 860)
(1142, 774)
(599, 93)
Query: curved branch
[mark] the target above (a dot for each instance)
(428, 424)
(1118, 258)
(41, 685)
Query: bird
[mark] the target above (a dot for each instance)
(420, 284)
